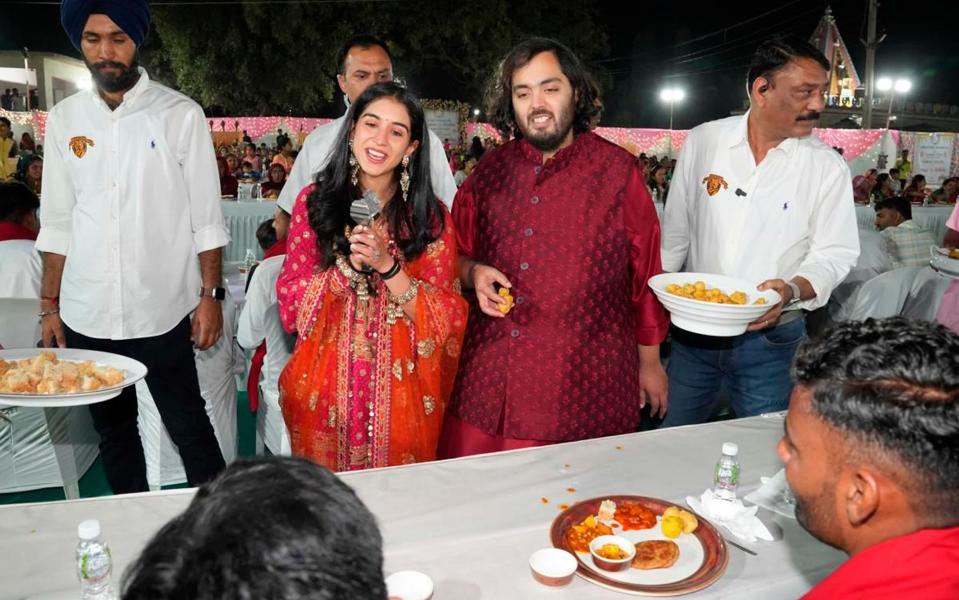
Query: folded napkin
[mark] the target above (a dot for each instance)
(772, 495)
(731, 514)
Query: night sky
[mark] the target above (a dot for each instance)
(701, 47)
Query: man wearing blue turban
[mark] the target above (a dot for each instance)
(132, 238)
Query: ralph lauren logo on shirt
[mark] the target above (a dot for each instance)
(79, 143)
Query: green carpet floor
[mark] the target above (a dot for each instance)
(94, 481)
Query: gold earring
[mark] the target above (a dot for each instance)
(354, 166)
(405, 177)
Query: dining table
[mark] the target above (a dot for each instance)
(472, 523)
(242, 218)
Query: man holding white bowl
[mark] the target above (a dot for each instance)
(758, 197)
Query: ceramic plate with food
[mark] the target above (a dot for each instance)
(676, 551)
(64, 376)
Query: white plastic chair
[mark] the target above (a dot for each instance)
(884, 295)
(40, 447)
(925, 295)
(218, 388)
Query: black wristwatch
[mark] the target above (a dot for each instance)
(217, 293)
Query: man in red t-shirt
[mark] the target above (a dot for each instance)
(872, 457)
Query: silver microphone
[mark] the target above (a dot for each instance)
(366, 209)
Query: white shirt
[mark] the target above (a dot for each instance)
(20, 269)
(130, 197)
(793, 214)
(315, 153)
(260, 320)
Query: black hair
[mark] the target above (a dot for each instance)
(893, 170)
(282, 140)
(412, 224)
(897, 203)
(363, 41)
(776, 52)
(17, 201)
(651, 181)
(586, 92)
(5, 121)
(893, 385)
(912, 182)
(265, 234)
(278, 527)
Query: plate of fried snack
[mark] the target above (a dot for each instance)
(667, 550)
(64, 376)
(945, 261)
(711, 304)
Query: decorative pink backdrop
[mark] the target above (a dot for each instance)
(854, 142)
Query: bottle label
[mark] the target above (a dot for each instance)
(95, 566)
(726, 476)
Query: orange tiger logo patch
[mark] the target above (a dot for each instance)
(79, 143)
(713, 183)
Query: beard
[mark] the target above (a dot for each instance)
(813, 516)
(120, 82)
(548, 140)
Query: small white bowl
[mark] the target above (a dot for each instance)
(552, 566)
(409, 585)
(710, 318)
(610, 564)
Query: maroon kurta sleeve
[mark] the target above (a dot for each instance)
(464, 217)
(651, 322)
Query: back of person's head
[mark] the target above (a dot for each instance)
(777, 52)
(18, 204)
(890, 388)
(897, 203)
(361, 41)
(280, 528)
(894, 172)
(265, 234)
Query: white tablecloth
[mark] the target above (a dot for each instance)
(242, 219)
(470, 524)
(932, 218)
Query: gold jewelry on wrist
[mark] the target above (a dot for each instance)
(357, 280)
(394, 309)
(406, 296)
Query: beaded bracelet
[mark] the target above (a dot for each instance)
(47, 313)
(406, 296)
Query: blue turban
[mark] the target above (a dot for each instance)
(133, 17)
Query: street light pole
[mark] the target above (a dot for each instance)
(671, 96)
(886, 84)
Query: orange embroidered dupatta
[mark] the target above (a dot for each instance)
(413, 367)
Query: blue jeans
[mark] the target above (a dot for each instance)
(753, 369)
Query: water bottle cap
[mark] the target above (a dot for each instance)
(89, 530)
(730, 448)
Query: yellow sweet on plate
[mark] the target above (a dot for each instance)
(672, 526)
(689, 520)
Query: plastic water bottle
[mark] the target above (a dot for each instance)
(726, 476)
(250, 259)
(94, 563)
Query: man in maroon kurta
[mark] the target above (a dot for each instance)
(561, 218)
